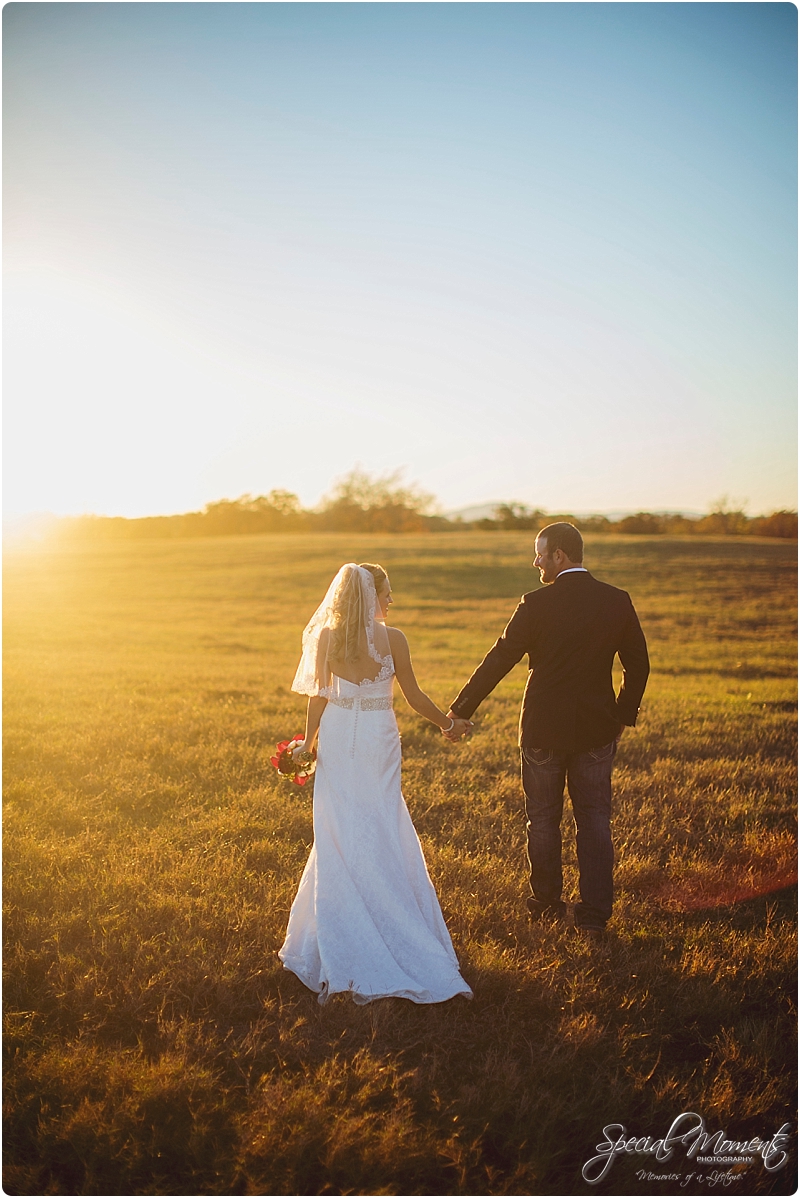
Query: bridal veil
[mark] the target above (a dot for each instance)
(350, 617)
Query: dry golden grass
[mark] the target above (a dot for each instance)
(153, 1043)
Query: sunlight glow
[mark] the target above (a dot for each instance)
(531, 252)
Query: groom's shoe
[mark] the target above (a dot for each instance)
(591, 931)
(540, 912)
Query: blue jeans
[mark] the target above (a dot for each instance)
(588, 778)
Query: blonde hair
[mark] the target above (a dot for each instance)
(378, 573)
(348, 638)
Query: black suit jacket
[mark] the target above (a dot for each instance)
(570, 630)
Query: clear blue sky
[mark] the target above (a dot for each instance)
(540, 252)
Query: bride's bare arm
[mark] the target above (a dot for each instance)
(316, 706)
(415, 696)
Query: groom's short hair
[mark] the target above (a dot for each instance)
(565, 537)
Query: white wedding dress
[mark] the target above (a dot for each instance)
(366, 919)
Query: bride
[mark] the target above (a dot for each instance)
(366, 919)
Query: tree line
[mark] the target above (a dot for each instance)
(361, 503)
(721, 520)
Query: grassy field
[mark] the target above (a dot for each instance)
(153, 1043)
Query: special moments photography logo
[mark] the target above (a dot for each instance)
(700, 1146)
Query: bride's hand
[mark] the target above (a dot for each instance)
(460, 728)
(299, 748)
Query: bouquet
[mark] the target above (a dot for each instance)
(295, 769)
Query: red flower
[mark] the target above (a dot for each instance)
(285, 764)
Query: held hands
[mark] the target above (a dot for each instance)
(460, 728)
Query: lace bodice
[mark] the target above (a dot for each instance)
(380, 687)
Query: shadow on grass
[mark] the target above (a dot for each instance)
(504, 1094)
(750, 914)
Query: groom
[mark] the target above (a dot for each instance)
(571, 719)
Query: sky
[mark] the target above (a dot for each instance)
(530, 252)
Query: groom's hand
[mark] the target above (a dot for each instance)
(460, 728)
